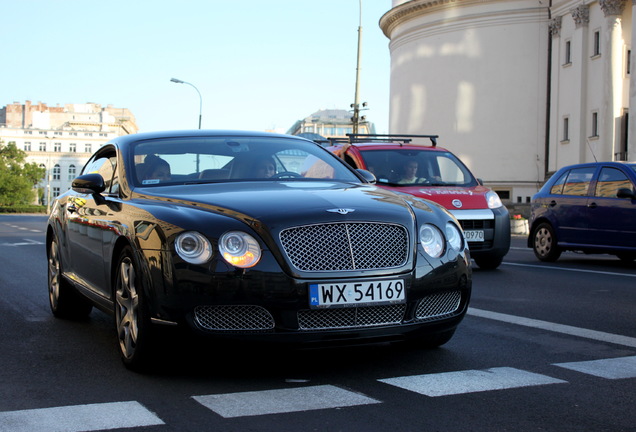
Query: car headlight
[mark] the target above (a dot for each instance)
(432, 240)
(193, 247)
(493, 200)
(453, 236)
(239, 249)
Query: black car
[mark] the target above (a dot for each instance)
(251, 236)
(590, 208)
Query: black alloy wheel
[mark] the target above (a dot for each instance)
(65, 302)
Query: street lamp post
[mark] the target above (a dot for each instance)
(355, 120)
(178, 81)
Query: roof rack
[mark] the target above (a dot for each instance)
(404, 139)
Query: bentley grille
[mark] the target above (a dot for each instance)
(233, 318)
(438, 306)
(367, 316)
(346, 246)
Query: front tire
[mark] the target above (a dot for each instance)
(544, 243)
(65, 302)
(131, 317)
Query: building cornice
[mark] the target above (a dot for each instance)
(408, 10)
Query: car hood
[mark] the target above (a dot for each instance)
(291, 203)
(449, 197)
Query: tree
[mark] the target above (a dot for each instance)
(17, 178)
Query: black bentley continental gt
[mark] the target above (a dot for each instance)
(251, 236)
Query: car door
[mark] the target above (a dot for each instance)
(92, 224)
(569, 206)
(612, 219)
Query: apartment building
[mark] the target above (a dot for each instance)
(62, 138)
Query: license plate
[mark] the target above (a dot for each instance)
(356, 293)
(474, 236)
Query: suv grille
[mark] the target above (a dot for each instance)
(346, 246)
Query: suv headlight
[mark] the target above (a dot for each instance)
(193, 247)
(432, 240)
(239, 249)
(493, 200)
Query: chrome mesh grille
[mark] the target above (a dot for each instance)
(438, 306)
(367, 316)
(346, 246)
(233, 318)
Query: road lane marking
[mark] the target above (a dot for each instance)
(470, 381)
(569, 269)
(557, 328)
(104, 416)
(26, 242)
(615, 368)
(282, 401)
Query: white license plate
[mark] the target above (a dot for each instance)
(356, 293)
(474, 236)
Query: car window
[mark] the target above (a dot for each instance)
(557, 187)
(106, 167)
(422, 167)
(226, 159)
(578, 181)
(610, 180)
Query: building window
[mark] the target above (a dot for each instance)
(88, 148)
(71, 172)
(27, 146)
(57, 133)
(26, 132)
(56, 192)
(628, 62)
(568, 53)
(42, 146)
(594, 125)
(57, 147)
(88, 134)
(72, 147)
(566, 129)
(42, 132)
(596, 44)
(72, 133)
(56, 172)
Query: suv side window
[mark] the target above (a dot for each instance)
(578, 181)
(610, 180)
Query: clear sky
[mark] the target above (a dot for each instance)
(259, 64)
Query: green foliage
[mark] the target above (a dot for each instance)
(23, 209)
(17, 178)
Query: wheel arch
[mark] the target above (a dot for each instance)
(533, 228)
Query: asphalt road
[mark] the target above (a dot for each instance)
(544, 348)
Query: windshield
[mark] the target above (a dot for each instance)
(403, 167)
(187, 160)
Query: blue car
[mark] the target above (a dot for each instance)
(589, 208)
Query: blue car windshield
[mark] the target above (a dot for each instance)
(185, 160)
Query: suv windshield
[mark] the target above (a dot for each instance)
(404, 167)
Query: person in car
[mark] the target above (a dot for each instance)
(155, 169)
(409, 173)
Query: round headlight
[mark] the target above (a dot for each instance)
(193, 247)
(453, 236)
(432, 240)
(239, 249)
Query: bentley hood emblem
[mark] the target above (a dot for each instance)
(342, 211)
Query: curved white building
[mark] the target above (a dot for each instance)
(516, 88)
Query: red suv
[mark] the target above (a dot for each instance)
(433, 173)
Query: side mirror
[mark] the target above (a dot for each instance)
(89, 184)
(626, 193)
(367, 175)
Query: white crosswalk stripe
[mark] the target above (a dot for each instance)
(616, 368)
(470, 381)
(77, 418)
(282, 401)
